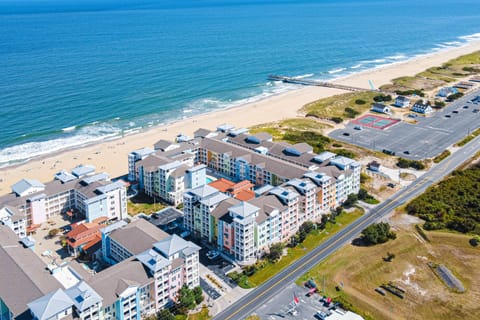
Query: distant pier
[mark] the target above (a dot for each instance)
(317, 83)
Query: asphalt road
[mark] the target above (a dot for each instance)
(427, 138)
(262, 294)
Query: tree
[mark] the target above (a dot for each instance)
(52, 233)
(307, 227)
(164, 314)
(276, 251)
(198, 293)
(336, 119)
(351, 200)
(378, 233)
(185, 299)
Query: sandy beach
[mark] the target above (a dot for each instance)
(111, 156)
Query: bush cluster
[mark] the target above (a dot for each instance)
(378, 233)
(452, 204)
(415, 164)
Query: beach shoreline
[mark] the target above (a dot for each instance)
(111, 155)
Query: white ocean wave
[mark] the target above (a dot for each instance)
(338, 70)
(375, 61)
(357, 66)
(471, 37)
(68, 129)
(85, 135)
(308, 75)
(397, 57)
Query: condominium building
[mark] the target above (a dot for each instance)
(292, 185)
(91, 195)
(144, 280)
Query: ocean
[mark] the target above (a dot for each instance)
(74, 72)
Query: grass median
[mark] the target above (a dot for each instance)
(315, 238)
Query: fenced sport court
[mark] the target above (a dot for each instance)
(373, 121)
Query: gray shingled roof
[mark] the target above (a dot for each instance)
(83, 296)
(106, 282)
(50, 305)
(25, 184)
(24, 277)
(163, 144)
(222, 209)
(138, 236)
(174, 244)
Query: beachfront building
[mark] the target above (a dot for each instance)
(87, 193)
(23, 277)
(381, 108)
(135, 156)
(446, 91)
(165, 173)
(121, 241)
(422, 108)
(291, 185)
(402, 102)
(140, 284)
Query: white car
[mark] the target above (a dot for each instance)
(212, 254)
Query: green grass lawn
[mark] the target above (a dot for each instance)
(312, 240)
(143, 203)
(202, 315)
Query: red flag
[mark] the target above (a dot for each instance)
(295, 299)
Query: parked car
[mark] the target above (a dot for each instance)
(455, 111)
(358, 128)
(185, 234)
(346, 134)
(212, 254)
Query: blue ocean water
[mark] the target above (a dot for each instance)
(74, 72)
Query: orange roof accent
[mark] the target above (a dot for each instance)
(94, 241)
(245, 195)
(222, 184)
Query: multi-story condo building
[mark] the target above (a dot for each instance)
(304, 185)
(91, 195)
(150, 268)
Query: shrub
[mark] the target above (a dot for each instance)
(378, 233)
(455, 96)
(336, 119)
(441, 156)
(351, 200)
(346, 153)
(410, 92)
(351, 113)
(275, 252)
(360, 101)
(52, 233)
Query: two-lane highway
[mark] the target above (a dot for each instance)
(262, 294)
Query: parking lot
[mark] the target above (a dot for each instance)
(219, 266)
(282, 305)
(427, 138)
